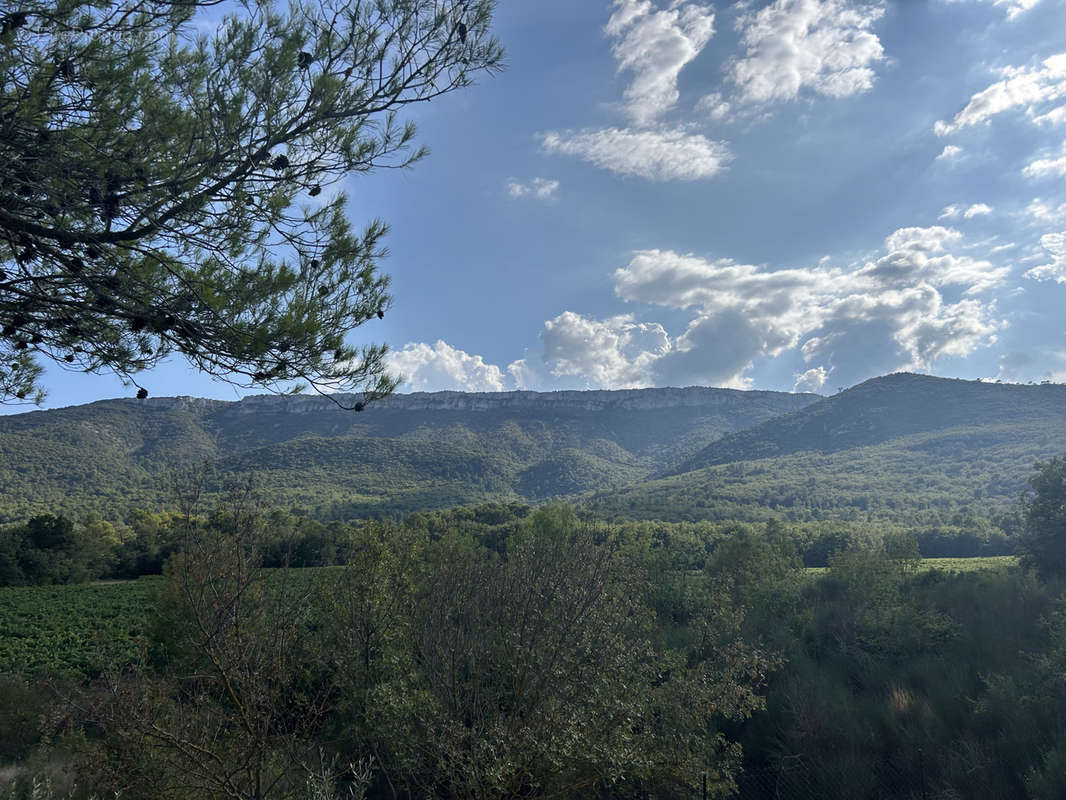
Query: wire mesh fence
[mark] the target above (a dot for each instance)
(799, 778)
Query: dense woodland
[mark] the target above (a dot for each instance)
(501, 651)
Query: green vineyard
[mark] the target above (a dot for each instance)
(73, 629)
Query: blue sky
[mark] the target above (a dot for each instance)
(797, 194)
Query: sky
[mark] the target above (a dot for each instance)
(793, 195)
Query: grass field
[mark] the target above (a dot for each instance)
(952, 564)
(969, 564)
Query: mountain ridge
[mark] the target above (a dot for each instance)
(901, 449)
(587, 400)
(512, 445)
(880, 409)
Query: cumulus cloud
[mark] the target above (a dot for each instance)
(654, 46)
(659, 155)
(431, 368)
(618, 352)
(540, 188)
(933, 239)
(822, 46)
(1028, 88)
(912, 255)
(1055, 269)
(950, 152)
(893, 306)
(919, 300)
(1047, 167)
(917, 255)
(524, 375)
(614, 353)
(715, 350)
(812, 380)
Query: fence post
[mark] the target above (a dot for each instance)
(921, 770)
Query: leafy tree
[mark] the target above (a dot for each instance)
(51, 549)
(902, 547)
(541, 675)
(239, 690)
(168, 191)
(1042, 544)
(761, 574)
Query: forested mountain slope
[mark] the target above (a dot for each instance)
(886, 408)
(408, 452)
(903, 448)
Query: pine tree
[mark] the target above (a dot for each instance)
(163, 190)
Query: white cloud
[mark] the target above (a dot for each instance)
(824, 46)
(1054, 270)
(969, 212)
(523, 375)
(655, 155)
(714, 106)
(812, 380)
(859, 330)
(1047, 167)
(618, 352)
(927, 240)
(892, 306)
(541, 188)
(655, 45)
(916, 255)
(1042, 212)
(1016, 7)
(715, 349)
(614, 353)
(430, 368)
(949, 153)
(892, 312)
(1056, 116)
(1031, 88)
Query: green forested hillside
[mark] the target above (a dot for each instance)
(943, 478)
(407, 453)
(904, 449)
(886, 408)
(97, 457)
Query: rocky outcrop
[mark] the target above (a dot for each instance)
(180, 403)
(598, 400)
